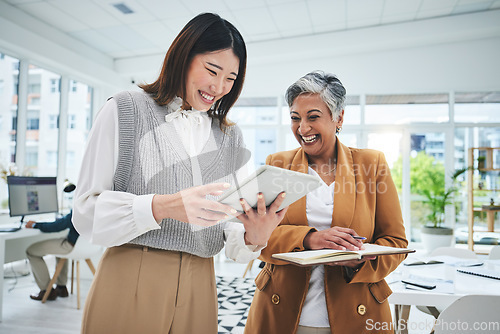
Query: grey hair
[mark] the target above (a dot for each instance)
(327, 85)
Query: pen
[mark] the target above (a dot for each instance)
(359, 238)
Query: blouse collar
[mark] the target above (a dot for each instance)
(175, 106)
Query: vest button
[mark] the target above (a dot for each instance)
(275, 299)
(361, 309)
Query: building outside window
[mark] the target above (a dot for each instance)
(9, 77)
(53, 121)
(54, 85)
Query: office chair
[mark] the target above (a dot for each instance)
(83, 250)
(476, 314)
(494, 253)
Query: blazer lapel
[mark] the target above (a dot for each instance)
(344, 198)
(297, 211)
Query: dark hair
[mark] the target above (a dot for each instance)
(206, 32)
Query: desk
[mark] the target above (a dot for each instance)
(13, 248)
(464, 284)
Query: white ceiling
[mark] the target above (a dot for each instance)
(151, 27)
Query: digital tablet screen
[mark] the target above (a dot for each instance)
(271, 181)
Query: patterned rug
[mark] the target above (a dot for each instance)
(235, 296)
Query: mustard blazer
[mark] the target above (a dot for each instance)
(366, 200)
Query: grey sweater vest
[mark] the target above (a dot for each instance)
(152, 160)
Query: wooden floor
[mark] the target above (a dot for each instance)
(21, 315)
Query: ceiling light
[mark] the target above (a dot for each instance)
(123, 8)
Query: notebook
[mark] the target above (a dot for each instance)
(489, 273)
(319, 256)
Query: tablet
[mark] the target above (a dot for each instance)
(271, 181)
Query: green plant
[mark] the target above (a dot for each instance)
(427, 179)
(437, 197)
(481, 161)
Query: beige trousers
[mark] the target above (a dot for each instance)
(143, 290)
(38, 250)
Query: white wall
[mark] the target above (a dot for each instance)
(25, 38)
(437, 55)
(456, 53)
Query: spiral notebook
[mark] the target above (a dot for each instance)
(494, 274)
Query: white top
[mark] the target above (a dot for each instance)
(112, 218)
(319, 210)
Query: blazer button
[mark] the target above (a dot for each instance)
(361, 309)
(275, 299)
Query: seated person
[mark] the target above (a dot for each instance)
(55, 246)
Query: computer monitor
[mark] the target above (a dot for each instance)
(30, 195)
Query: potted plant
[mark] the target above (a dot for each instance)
(481, 162)
(434, 234)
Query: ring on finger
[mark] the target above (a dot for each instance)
(261, 214)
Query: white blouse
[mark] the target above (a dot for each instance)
(319, 211)
(112, 218)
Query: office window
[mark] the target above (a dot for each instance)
(258, 119)
(43, 106)
(79, 123)
(466, 137)
(477, 107)
(352, 110)
(406, 109)
(255, 111)
(9, 77)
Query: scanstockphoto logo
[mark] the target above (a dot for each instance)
(356, 178)
(291, 186)
(431, 325)
(342, 186)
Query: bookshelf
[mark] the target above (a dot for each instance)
(486, 169)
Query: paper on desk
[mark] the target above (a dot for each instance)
(442, 286)
(457, 261)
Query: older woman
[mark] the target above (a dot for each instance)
(357, 198)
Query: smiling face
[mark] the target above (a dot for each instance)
(313, 127)
(210, 77)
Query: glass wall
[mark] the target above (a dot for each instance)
(44, 96)
(258, 119)
(34, 104)
(417, 132)
(407, 109)
(9, 79)
(78, 126)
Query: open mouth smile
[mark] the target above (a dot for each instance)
(207, 97)
(310, 139)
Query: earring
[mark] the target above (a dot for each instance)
(339, 128)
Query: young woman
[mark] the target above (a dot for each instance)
(154, 162)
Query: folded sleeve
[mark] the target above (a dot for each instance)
(235, 247)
